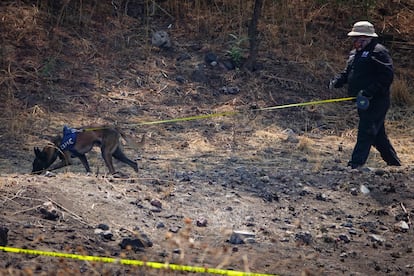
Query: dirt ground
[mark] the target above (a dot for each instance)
(308, 212)
(280, 176)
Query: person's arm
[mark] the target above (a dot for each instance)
(384, 72)
(342, 78)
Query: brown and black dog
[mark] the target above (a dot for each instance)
(78, 142)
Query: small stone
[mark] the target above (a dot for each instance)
(379, 172)
(304, 238)
(328, 239)
(180, 79)
(265, 179)
(401, 226)
(354, 192)
(352, 232)
(103, 226)
(344, 238)
(364, 189)
(210, 57)
(321, 197)
(107, 235)
(201, 222)
(49, 211)
(291, 136)
(161, 39)
(241, 237)
(156, 203)
(347, 224)
(376, 238)
(230, 90)
(174, 229)
(133, 244)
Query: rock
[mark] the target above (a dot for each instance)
(376, 238)
(156, 203)
(265, 179)
(106, 234)
(347, 224)
(354, 192)
(352, 232)
(401, 226)
(161, 39)
(211, 58)
(241, 237)
(132, 244)
(364, 189)
(174, 229)
(229, 90)
(328, 239)
(379, 172)
(291, 136)
(3, 235)
(303, 238)
(321, 197)
(103, 226)
(180, 79)
(147, 241)
(344, 238)
(201, 222)
(49, 211)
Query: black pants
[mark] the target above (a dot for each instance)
(371, 132)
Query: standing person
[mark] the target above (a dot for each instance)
(369, 74)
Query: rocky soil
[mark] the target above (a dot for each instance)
(201, 181)
(279, 177)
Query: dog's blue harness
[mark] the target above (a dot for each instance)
(69, 140)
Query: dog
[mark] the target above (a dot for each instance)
(76, 142)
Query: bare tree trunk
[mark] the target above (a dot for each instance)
(253, 36)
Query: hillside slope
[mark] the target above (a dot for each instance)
(280, 174)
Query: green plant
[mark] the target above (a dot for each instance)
(236, 50)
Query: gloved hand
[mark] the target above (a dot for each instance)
(365, 94)
(332, 84)
(362, 100)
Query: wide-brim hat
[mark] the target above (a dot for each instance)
(363, 28)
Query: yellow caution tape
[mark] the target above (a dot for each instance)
(154, 265)
(228, 113)
(308, 103)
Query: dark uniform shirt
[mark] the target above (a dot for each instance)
(369, 69)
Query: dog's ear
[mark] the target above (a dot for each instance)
(36, 151)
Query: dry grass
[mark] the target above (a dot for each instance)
(402, 93)
(34, 86)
